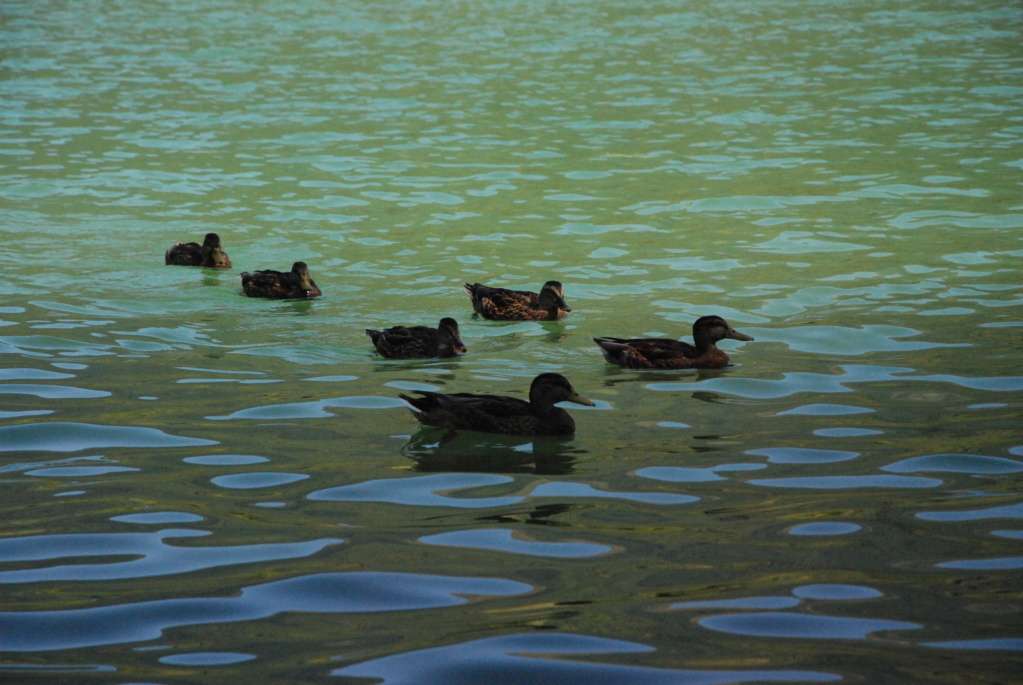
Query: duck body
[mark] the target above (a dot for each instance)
(419, 342)
(209, 254)
(281, 285)
(500, 414)
(501, 304)
(665, 353)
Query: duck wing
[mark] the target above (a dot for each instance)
(184, 254)
(645, 353)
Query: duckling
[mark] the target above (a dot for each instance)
(208, 254)
(665, 353)
(399, 342)
(497, 414)
(278, 285)
(500, 304)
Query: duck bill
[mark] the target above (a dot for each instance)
(736, 335)
(579, 399)
(562, 305)
(459, 348)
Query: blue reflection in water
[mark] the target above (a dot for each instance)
(312, 410)
(250, 481)
(825, 410)
(685, 474)
(844, 482)
(79, 471)
(420, 491)
(846, 432)
(226, 460)
(793, 383)
(206, 659)
(158, 518)
(1003, 564)
(741, 603)
(825, 528)
(158, 558)
(28, 631)
(846, 341)
(1014, 644)
(796, 625)
(1014, 511)
(584, 490)
(503, 540)
(51, 392)
(803, 455)
(957, 463)
(509, 659)
(801, 626)
(836, 592)
(73, 437)
(32, 375)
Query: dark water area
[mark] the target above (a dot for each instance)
(202, 487)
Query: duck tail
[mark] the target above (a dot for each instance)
(615, 352)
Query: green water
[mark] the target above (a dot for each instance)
(839, 180)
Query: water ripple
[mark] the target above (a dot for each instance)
(51, 392)
(517, 659)
(825, 528)
(798, 382)
(800, 626)
(420, 491)
(956, 463)
(33, 631)
(75, 437)
(158, 558)
(848, 482)
(311, 410)
(503, 540)
(1014, 511)
(685, 474)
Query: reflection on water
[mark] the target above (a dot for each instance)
(435, 450)
(838, 180)
(330, 593)
(516, 658)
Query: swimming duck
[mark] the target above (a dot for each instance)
(500, 304)
(399, 342)
(497, 414)
(208, 254)
(278, 285)
(665, 353)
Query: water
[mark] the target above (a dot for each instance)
(199, 486)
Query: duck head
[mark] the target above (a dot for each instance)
(553, 295)
(449, 335)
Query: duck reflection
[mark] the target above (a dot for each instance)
(437, 450)
(614, 376)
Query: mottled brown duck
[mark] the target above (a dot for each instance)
(281, 285)
(499, 414)
(501, 304)
(209, 254)
(666, 353)
(419, 342)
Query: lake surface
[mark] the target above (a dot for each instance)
(200, 487)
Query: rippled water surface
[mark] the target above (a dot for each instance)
(200, 487)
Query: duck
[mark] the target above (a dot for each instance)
(500, 304)
(209, 254)
(499, 414)
(665, 353)
(278, 285)
(400, 342)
